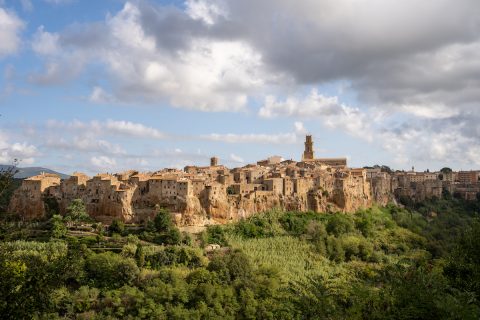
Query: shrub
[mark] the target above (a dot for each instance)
(339, 224)
(76, 211)
(110, 270)
(117, 226)
(232, 266)
(163, 221)
(296, 223)
(215, 235)
(174, 256)
(57, 227)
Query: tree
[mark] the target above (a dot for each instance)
(6, 177)
(57, 227)
(7, 184)
(140, 255)
(76, 211)
(163, 221)
(168, 233)
(117, 226)
(463, 267)
(110, 270)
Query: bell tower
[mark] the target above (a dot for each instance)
(308, 153)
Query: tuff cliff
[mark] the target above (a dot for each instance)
(209, 194)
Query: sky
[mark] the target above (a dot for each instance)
(105, 86)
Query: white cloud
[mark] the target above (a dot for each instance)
(109, 127)
(86, 143)
(236, 158)
(314, 105)
(103, 162)
(300, 128)
(45, 43)
(281, 138)
(205, 11)
(133, 129)
(328, 110)
(99, 95)
(219, 55)
(23, 151)
(206, 74)
(10, 27)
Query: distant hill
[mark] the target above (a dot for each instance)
(32, 171)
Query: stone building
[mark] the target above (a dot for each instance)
(200, 194)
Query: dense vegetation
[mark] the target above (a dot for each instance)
(418, 262)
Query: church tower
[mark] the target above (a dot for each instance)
(308, 153)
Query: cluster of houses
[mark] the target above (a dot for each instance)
(197, 194)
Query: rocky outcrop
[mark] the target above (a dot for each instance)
(201, 197)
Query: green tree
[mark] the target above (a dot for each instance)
(116, 226)
(77, 211)
(111, 270)
(6, 176)
(167, 232)
(140, 255)
(57, 227)
(463, 267)
(7, 184)
(163, 221)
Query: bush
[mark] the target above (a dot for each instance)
(232, 266)
(175, 256)
(163, 221)
(76, 211)
(254, 227)
(110, 270)
(116, 226)
(57, 227)
(296, 223)
(339, 224)
(215, 234)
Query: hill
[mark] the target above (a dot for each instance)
(376, 263)
(32, 171)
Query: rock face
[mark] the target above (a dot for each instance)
(199, 195)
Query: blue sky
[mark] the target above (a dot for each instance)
(108, 85)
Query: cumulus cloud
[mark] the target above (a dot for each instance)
(22, 151)
(109, 127)
(103, 162)
(281, 138)
(45, 43)
(100, 96)
(328, 110)
(85, 143)
(10, 27)
(235, 158)
(205, 73)
(132, 129)
(406, 63)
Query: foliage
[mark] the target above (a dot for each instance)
(57, 227)
(77, 211)
(463, 266)
(163, 221)
(175, 256)
(7, 176)
(109, 270)
(166, 231)
(117, 227)
(215, 234)
(378, 263)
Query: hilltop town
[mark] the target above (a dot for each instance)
(217, 194)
